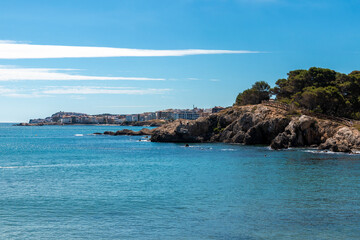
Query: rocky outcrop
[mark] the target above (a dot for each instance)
(257, 124)
(184, 131)
(261, 124)
(344, 140)
(144, 131)
(249, 125)
(301, 131)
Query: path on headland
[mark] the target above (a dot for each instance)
(287, 107)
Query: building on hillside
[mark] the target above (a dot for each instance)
(128, 118)
(135, 117)
(216, 109)
(186, 114)
(89, 120)
(141, 117)
(118, 120)
(132, 117)
(149, 116)
(66, 120)
(205, 112)
(165, 115)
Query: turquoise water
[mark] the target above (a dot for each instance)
(59, 184)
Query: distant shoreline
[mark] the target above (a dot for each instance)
(135, 124)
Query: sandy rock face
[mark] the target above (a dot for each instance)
(302, 131)
(345, 140)
(184, 131)
(248, 124)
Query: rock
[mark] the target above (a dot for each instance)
(181, 131)
(144, 131)
(109, 133)
(264, 132)
(239, 137)
(301, 132)
(246, 124)
(125, 132)
(281, 141)
(344, 140)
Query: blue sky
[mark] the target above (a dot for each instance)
(45, 68)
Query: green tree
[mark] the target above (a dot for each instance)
(321, 90)
(326, 100)
(256, 94)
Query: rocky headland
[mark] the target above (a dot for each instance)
(258, 124)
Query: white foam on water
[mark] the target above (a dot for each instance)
(317, 151)
(79, 135)
(11, 167)
(42, 166)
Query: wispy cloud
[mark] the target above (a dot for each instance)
(101, 90)
(20, 50)
(5, 90)
(77, 91)
(19, 93)
(11, 73)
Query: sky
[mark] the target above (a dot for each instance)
(133, 56)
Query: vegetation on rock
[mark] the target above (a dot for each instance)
(317, 89)
(259, 92)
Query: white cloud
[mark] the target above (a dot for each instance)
(24, 95)
(100, 90)
(5, 90)
(214, 80)
(20, 50)
(11, 73)
(19, 93)
(77, 91)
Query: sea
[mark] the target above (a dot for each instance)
(63, 182)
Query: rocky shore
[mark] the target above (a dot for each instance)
(142, 132)
(258, 124)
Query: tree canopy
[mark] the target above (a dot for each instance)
(260, 91)
(317, 89)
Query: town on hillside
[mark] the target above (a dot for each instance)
(166, 115)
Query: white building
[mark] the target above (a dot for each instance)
(119, 120)
(132, 118)
(135, 117)
(128, 118)
(189, 115)
(66, 120)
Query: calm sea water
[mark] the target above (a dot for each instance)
(61, 182)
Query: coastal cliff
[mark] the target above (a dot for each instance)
(258, 124)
